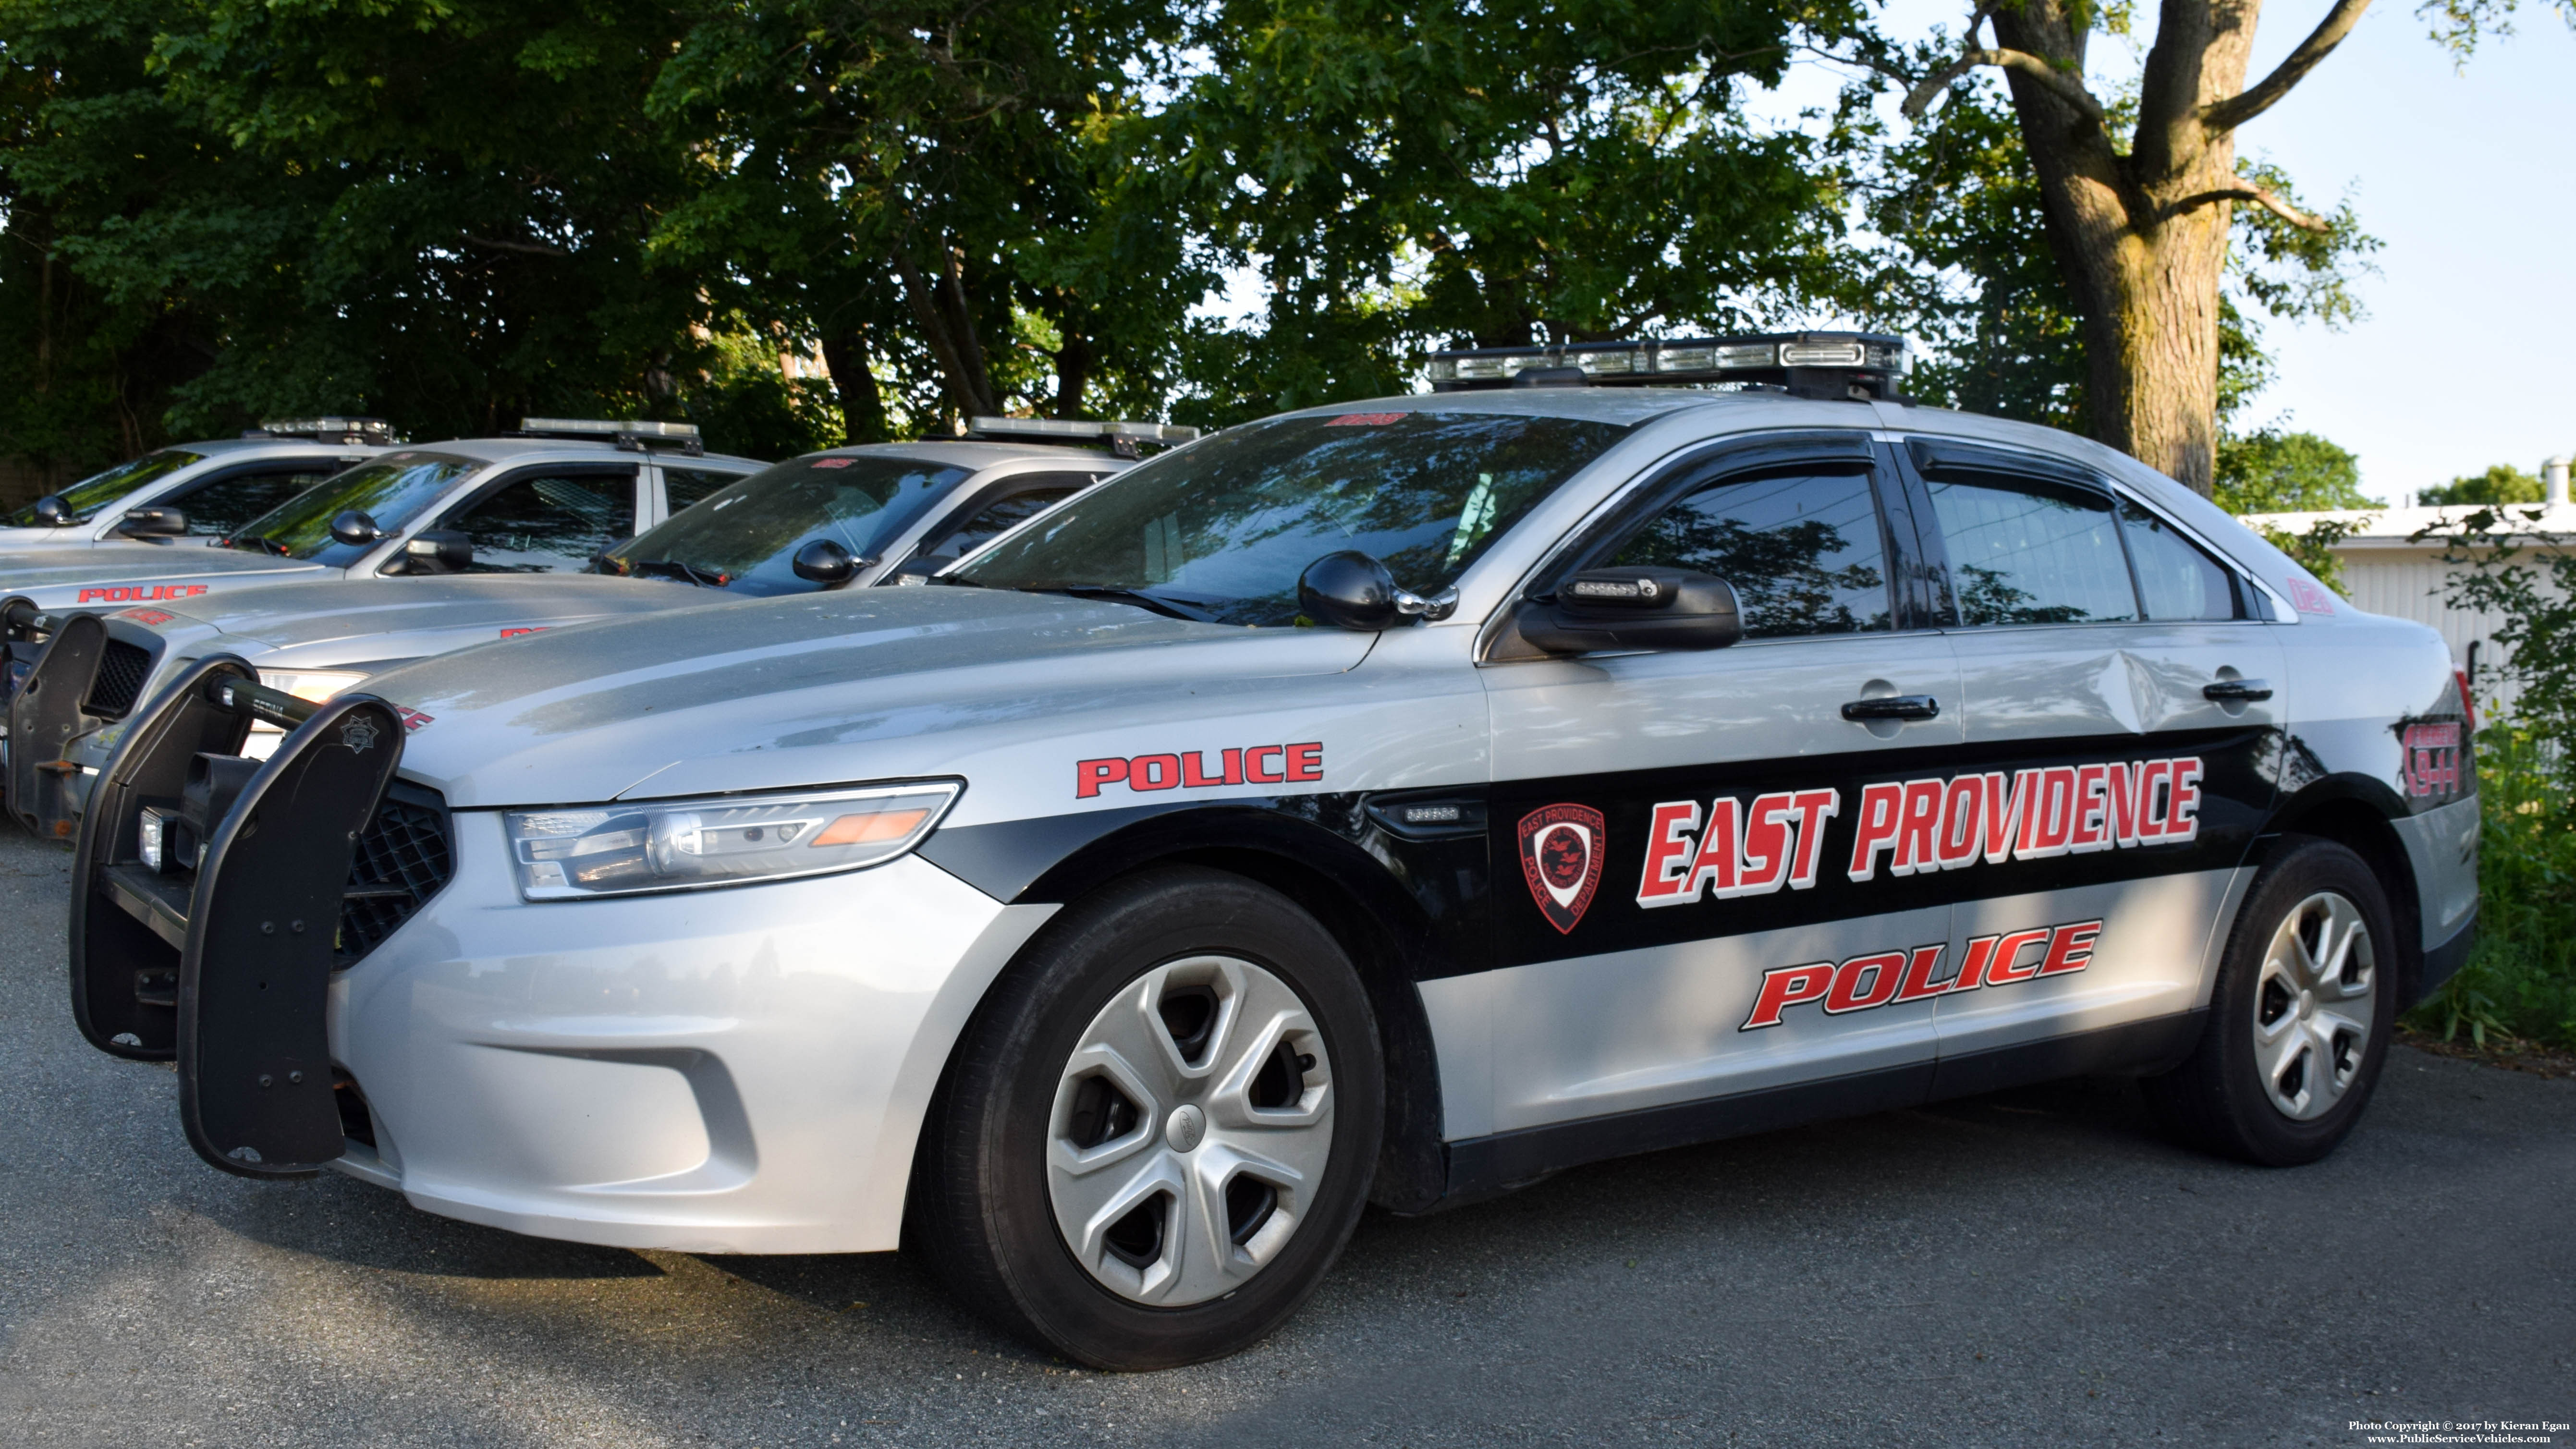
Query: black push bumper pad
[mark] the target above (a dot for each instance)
(129, 922)
(247, 945)
(44, 717)
(254, 1059)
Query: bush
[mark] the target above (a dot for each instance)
(2520, 981)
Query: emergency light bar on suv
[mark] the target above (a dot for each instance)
(634, 435)
(1122, 437)
(1809, 364)
(367, 432)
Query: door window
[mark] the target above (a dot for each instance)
(2175, 579)
(991, 521)
(1800, 547)
(545, 522)
(225, 504)
(687, 485)
(2028, 552)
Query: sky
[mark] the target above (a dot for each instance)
(2467, 175)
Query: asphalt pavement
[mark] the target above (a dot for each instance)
(2030, 1268)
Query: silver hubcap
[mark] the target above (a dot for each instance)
(1190, 1132)
(2313, 1006)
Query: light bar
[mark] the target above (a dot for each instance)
(330, 429)
(596, 428)
(1075, 428)
(1808, 364)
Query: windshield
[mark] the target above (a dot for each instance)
(1223, 528)
(93, 493)
(392, 490)
(743, 536)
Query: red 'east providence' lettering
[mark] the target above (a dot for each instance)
(1937, 824)
(1881, 978)
(1191, 769)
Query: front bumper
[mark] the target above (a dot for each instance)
(738, 1070)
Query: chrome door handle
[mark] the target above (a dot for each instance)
(2237, 691)
(1894, 706)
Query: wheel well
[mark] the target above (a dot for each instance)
(1412, 1167)
(2356, 825)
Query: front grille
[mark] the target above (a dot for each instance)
(122, 668)
(402, 860)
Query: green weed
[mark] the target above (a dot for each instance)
(2520, 980)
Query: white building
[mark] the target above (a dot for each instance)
(2387, 569)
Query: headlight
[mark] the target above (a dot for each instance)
(669, 845)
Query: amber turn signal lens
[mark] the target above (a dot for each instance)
(870, 828)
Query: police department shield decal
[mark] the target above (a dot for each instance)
(1561, 859)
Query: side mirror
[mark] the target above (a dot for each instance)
(433, 551)
(53, 512)
(1638, 608)
(824, 561)
(353, 526)
(152, 523)
(1350, 590)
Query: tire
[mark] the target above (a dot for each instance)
(1064, 1188)
(2300, 1017)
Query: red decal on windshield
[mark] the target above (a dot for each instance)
(831, 462)
(1365, 420)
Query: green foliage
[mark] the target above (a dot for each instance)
(2520, 978)
(2313, 548)
(2503, 483)
(2531, 584)
(2271, 471)
(1499, 172)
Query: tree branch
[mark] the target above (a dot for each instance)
(2245, 190)
(2261, 96)
(533, 249)
(2061, 84)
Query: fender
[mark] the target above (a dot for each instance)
(1409, 904)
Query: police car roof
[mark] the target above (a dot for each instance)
(977, 454)
(505, 450)
(240, 447)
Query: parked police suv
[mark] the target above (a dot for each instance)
(847, 517)
(1401, 801)
(192, 493)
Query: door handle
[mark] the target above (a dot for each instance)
(1894, 706)
(2237, 691)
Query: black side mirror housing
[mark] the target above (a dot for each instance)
(53, 512)
(1634, 608)
(353, 526)
(824, 561)
(152, 523)
(1351, 590)
(435, 551)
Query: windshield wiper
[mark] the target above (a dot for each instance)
(1138, 597)
(671, 568)
(260, 543)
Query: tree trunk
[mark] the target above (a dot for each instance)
(863, 414)
(2140, 244)
(940, 307)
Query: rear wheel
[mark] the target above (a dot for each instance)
(2299, 1019)
(1158, 1131)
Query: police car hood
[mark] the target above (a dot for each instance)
(367, 620)
(821, 689)
(136, 572)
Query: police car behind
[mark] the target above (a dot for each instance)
(192, 492)
(846, 517)
(1400, 801)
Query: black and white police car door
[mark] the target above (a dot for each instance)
(2115, 797)
(1669, 829)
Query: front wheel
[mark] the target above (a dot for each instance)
(1159, 1129)
(2299, 1019)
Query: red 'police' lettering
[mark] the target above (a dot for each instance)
(1297, 764)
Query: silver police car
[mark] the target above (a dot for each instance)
(195, 492)
(1394, 802)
